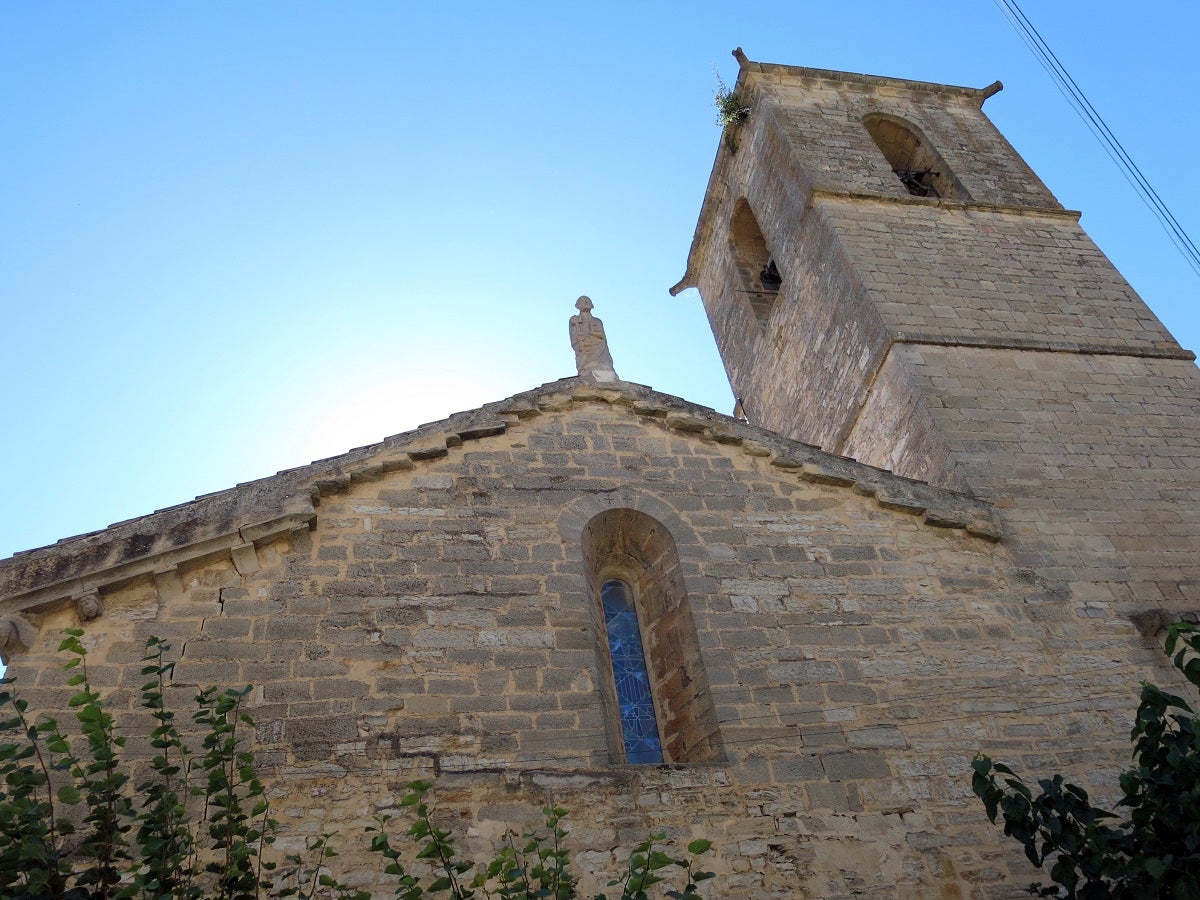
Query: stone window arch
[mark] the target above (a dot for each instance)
(631, 558)
(760, 280)
(913, 159)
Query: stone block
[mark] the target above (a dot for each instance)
(803, 769)
(876, 736)
(855, 766)
(804, 672)
(324, 730)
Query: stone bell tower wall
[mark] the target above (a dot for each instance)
(939, 314)
(1093, 458)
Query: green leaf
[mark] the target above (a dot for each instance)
(1156, 867)
(659, 860)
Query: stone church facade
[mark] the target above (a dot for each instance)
(969, 469)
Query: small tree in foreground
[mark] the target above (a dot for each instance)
(74, 825)
(1151, 851)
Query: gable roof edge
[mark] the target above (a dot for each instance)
(232, 521)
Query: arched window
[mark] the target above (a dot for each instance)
(913, 159)
(631, 677)
(760, 278)
(660, 707)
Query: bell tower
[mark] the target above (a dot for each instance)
(886, 278)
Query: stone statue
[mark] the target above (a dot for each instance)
(592, 359)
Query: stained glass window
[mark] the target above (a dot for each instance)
(639, 727)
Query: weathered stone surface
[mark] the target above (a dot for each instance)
(977, 340)
(981, 342)
(831, 672)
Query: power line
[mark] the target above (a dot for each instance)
(1083, 107)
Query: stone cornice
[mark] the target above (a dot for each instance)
(238, 545)
(231, 523)
(1164, 351)
(1047, 212)
(749, 68)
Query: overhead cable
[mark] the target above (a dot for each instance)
(1096, 124)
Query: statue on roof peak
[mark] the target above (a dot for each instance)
(592, 359)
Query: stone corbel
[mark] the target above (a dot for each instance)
(245, 558)
(88, 606)
(168, 584)
(16, 636)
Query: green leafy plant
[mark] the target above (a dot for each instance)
(235, 813)
(732, 111)
(198, 824)
(308, 877)
(140, 843)
(732, 108)
(534, 865)
(164, 830)
(1154, 850)
(648, 864)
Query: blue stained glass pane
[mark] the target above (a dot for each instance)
(639, 727)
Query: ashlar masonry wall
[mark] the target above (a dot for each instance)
(862, 636)
(1093, 457)
(979, 341)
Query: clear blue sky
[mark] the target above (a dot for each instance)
(240, 236)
